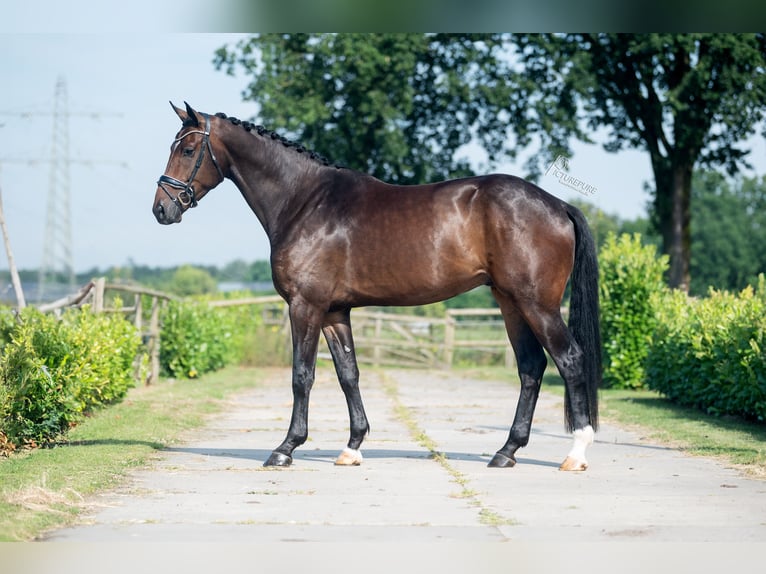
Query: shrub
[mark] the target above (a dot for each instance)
(39, 401)
(53, 371)
(252, 342)
(7, 325)
(195, 339)
(629, 275)
(710, 353)
(106, 347)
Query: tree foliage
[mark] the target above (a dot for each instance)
(728, 233)
(398, 106)
(401, 106)
(687, 99)
(190, 280)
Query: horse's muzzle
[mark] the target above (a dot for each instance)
(167, 212)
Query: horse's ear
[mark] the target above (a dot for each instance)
(179, 112)
(192, 120)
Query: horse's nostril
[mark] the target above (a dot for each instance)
(159, 212)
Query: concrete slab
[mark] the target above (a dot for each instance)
(213, 487)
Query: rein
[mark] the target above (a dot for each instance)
(186, 197)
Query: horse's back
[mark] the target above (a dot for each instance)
(367, 242)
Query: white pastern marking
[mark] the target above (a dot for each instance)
(583, 438)
(350, 457)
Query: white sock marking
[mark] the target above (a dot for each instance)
(355, 455)
(583, 438)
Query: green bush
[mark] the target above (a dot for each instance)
(195, 339)
(629, 275)
(53, 371)
(7, 325)
(106, 346)
(711, 353)
(251, 341)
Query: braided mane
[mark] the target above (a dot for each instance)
(262, 131)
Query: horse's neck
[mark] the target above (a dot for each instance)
(274, 187)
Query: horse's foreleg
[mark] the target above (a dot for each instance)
(305, 323)
(531, 365)
(337, 332)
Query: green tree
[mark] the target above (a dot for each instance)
(398, 106)
(601, 223)
(237, 270)
(190, 280)
(260, 270)
(728, 233)
(687, 99)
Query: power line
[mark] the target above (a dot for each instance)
(58, 261)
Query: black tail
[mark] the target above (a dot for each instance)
(584, 313)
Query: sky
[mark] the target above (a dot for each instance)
(120, 130)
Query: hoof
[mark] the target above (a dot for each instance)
(502, 461)
(573, 464)
(349, 457)
(278, 459)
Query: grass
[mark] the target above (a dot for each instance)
(46, 488)
(732, 440)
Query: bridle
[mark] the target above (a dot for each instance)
(186, 197)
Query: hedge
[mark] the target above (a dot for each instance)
(629, 275)
(197, 338)
(710, 353)
(707, 353)
(55, 371)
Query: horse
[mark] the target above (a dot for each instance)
(342, 239)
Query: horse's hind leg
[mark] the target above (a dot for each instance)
(555, 336)
(337, 332)
(531, 362)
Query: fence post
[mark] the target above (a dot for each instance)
(510, 357)
(99, 285)
(154, 343)
(139, 319)
(449, 339)
(377, 351)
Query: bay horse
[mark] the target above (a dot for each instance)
(342, 239)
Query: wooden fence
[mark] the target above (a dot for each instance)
(145, 315)
(395, 339)
(382, 338)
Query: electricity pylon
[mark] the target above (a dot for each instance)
(57, 264)
(57, 241)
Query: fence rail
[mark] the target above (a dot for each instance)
(146, 318)
(394, 339)
(405, 340)
(382, 338)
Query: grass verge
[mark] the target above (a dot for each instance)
(734, 441)
(47, 488)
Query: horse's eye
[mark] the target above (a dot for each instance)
(188, 151)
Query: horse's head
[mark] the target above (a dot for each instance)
(192, 168)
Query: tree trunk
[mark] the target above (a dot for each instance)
(673, 213)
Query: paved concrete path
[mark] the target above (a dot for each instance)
(213, 487)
